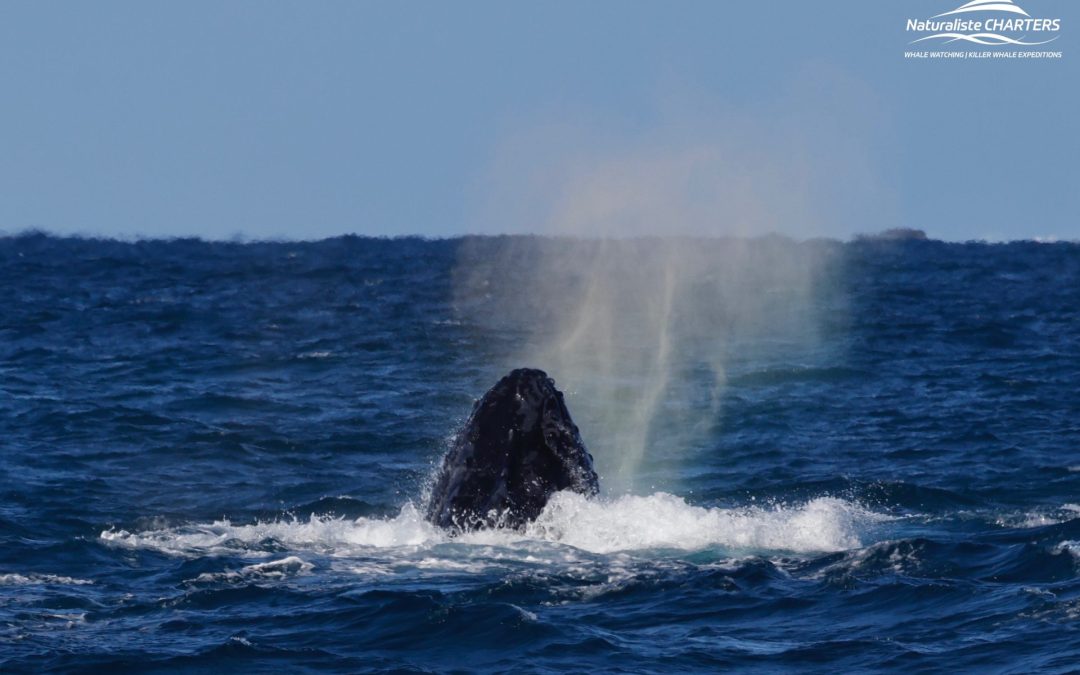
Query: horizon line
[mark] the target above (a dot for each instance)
(902, 234)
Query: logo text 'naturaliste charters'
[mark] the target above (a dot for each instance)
(987, 23)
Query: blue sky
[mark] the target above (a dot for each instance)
(305, 120)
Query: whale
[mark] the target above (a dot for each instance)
(517, 449)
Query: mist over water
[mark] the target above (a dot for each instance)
(658, 263)
(639, 332)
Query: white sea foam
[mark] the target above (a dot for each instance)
(273, 570)
(629, 523)
(1028, 520)
(1040, 517)
(902, 558)
(666, 521)
(1070, 547)
(33, 579)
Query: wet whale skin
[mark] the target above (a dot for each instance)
(518, 447)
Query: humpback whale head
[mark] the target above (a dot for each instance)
(517, 449)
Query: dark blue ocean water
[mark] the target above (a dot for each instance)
(212, 456)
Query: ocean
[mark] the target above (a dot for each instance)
(814, 456)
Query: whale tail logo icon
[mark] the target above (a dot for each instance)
(987, 6)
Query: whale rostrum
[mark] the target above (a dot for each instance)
(518, 447)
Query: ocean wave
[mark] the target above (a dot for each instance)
(1070, 547)
(34, 579)
(1039, 518)
(274, 570)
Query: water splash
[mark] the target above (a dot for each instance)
(600, 526)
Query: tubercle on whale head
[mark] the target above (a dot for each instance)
(518, 447)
